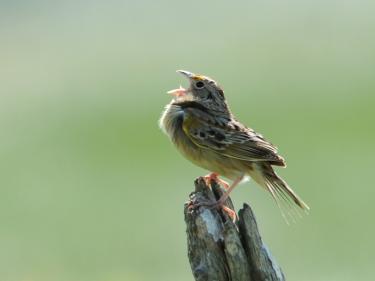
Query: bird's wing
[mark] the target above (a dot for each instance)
(228, 137)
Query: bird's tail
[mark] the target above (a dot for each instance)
(286, 199)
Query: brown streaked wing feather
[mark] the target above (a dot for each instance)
(228, 137)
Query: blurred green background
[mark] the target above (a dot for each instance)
(90, 188)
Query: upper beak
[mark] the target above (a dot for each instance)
(187, 74)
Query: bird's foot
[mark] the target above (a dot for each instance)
(231, 213)
(216, 204)
(215, 177)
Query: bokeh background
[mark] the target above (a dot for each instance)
(90, 188)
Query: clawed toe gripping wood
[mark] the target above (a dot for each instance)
(220, 250)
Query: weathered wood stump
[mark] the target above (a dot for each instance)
(220, 250)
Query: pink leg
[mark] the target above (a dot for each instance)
(223, 198)
(215, 177)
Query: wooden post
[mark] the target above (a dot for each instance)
(220, 250)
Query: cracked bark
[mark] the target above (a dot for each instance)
(220, 250)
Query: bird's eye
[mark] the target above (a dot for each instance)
(199, 84)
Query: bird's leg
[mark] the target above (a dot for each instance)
(221, 201)
(215, 177)
(225, 196)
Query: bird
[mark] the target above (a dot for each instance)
(201, 125)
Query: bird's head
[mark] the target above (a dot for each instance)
(202, 89)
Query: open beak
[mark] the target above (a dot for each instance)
(181, 91)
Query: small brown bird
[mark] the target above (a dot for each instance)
(202, 127)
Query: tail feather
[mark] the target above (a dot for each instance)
(286, 199)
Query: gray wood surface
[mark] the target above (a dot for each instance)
(220, 250)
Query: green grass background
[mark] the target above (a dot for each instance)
(90, 188)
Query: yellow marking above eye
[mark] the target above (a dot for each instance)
(199, 77)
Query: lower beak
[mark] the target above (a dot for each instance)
(178, 92)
